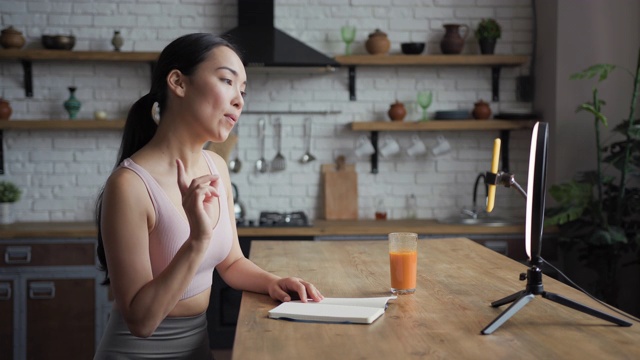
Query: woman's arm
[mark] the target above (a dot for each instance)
(241, 273)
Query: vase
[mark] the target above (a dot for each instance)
(117, 40)
(11, 38)
(6, 215)
(397, 111)
(453, 41)
(5, 109)
(378, 43)
(72, 105)
(481, 110)
(487, 46)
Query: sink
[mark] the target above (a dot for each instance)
(483, 221)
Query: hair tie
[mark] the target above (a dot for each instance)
(155, 112)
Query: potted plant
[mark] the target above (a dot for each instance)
(598, 212)
(487, 32)
(9, 193)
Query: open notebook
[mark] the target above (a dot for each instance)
(333, 310)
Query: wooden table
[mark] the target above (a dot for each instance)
(457, 281)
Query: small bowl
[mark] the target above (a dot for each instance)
(58, 42)
(412, 48)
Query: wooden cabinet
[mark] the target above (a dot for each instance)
(50, 299)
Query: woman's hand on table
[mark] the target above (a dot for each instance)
(283, 289)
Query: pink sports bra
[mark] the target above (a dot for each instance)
(172, 230)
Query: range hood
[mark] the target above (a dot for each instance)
(261, 44)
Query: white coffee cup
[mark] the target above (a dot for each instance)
(389, 147)
(417, 146)
(442, 147)
(363, 147)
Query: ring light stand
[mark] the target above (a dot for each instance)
(533, 234)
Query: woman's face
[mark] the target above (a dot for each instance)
(215, 93)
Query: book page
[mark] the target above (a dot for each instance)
(338, 310)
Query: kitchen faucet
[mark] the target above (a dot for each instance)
(473, 212)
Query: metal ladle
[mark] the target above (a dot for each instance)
(235, 164)
(307, 156)
(261, 164)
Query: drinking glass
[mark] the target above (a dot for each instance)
(403, 262)
(348, 35)
(424, 100)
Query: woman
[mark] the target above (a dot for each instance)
(165, 216)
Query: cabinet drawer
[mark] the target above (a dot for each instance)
(28, 254)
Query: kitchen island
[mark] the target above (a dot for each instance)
(457, 281)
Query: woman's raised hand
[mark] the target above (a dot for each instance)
(198, 201)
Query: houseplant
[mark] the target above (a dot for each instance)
(598, 212)
(9, 193)
(487, 32)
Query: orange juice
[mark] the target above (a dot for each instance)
(404, 267)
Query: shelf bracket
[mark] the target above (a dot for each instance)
(495, 82)
(352, 83)
(374, 156)
(1, 152)
(28, 78)
(504, 149)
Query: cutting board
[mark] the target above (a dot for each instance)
(340, 191)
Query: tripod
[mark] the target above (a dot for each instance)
(534, 287)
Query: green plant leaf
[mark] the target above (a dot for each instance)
(592, 110)
(602, 70)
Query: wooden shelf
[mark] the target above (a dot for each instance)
(496, 62)
(26, 57)
(442, 125)
(434, 60)
(111, 56)
(504, 126)
(62, 124)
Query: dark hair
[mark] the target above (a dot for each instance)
(184, 54)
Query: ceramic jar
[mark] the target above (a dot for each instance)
(453, 40)
(397, 111)
(11, 38)
(481, 110)
(378, 43)
(5, 109)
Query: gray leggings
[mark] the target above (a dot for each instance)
(175, 338)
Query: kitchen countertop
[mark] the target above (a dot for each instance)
(318, 228)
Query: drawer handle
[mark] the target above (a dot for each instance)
(42, 290)
(5, 291)
(17, 255)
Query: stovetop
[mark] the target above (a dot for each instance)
(278, 219)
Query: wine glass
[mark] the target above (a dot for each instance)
(348, 35)
(424, 100)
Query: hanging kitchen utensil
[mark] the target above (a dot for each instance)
(307, 156)
(235, 164)
(238, 206)
(262, 165)
(278, 163)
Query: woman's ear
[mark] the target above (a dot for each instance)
(176, 82)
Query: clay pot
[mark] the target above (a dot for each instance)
(5, 109)
(397, 111)
(453, 42)
(11, 38)
(481, 110)
(378, 43)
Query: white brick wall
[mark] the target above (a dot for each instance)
(62, 171)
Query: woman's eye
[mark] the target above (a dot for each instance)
(228, 81)
(244, 94)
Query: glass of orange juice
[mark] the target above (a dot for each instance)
(403, 261)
